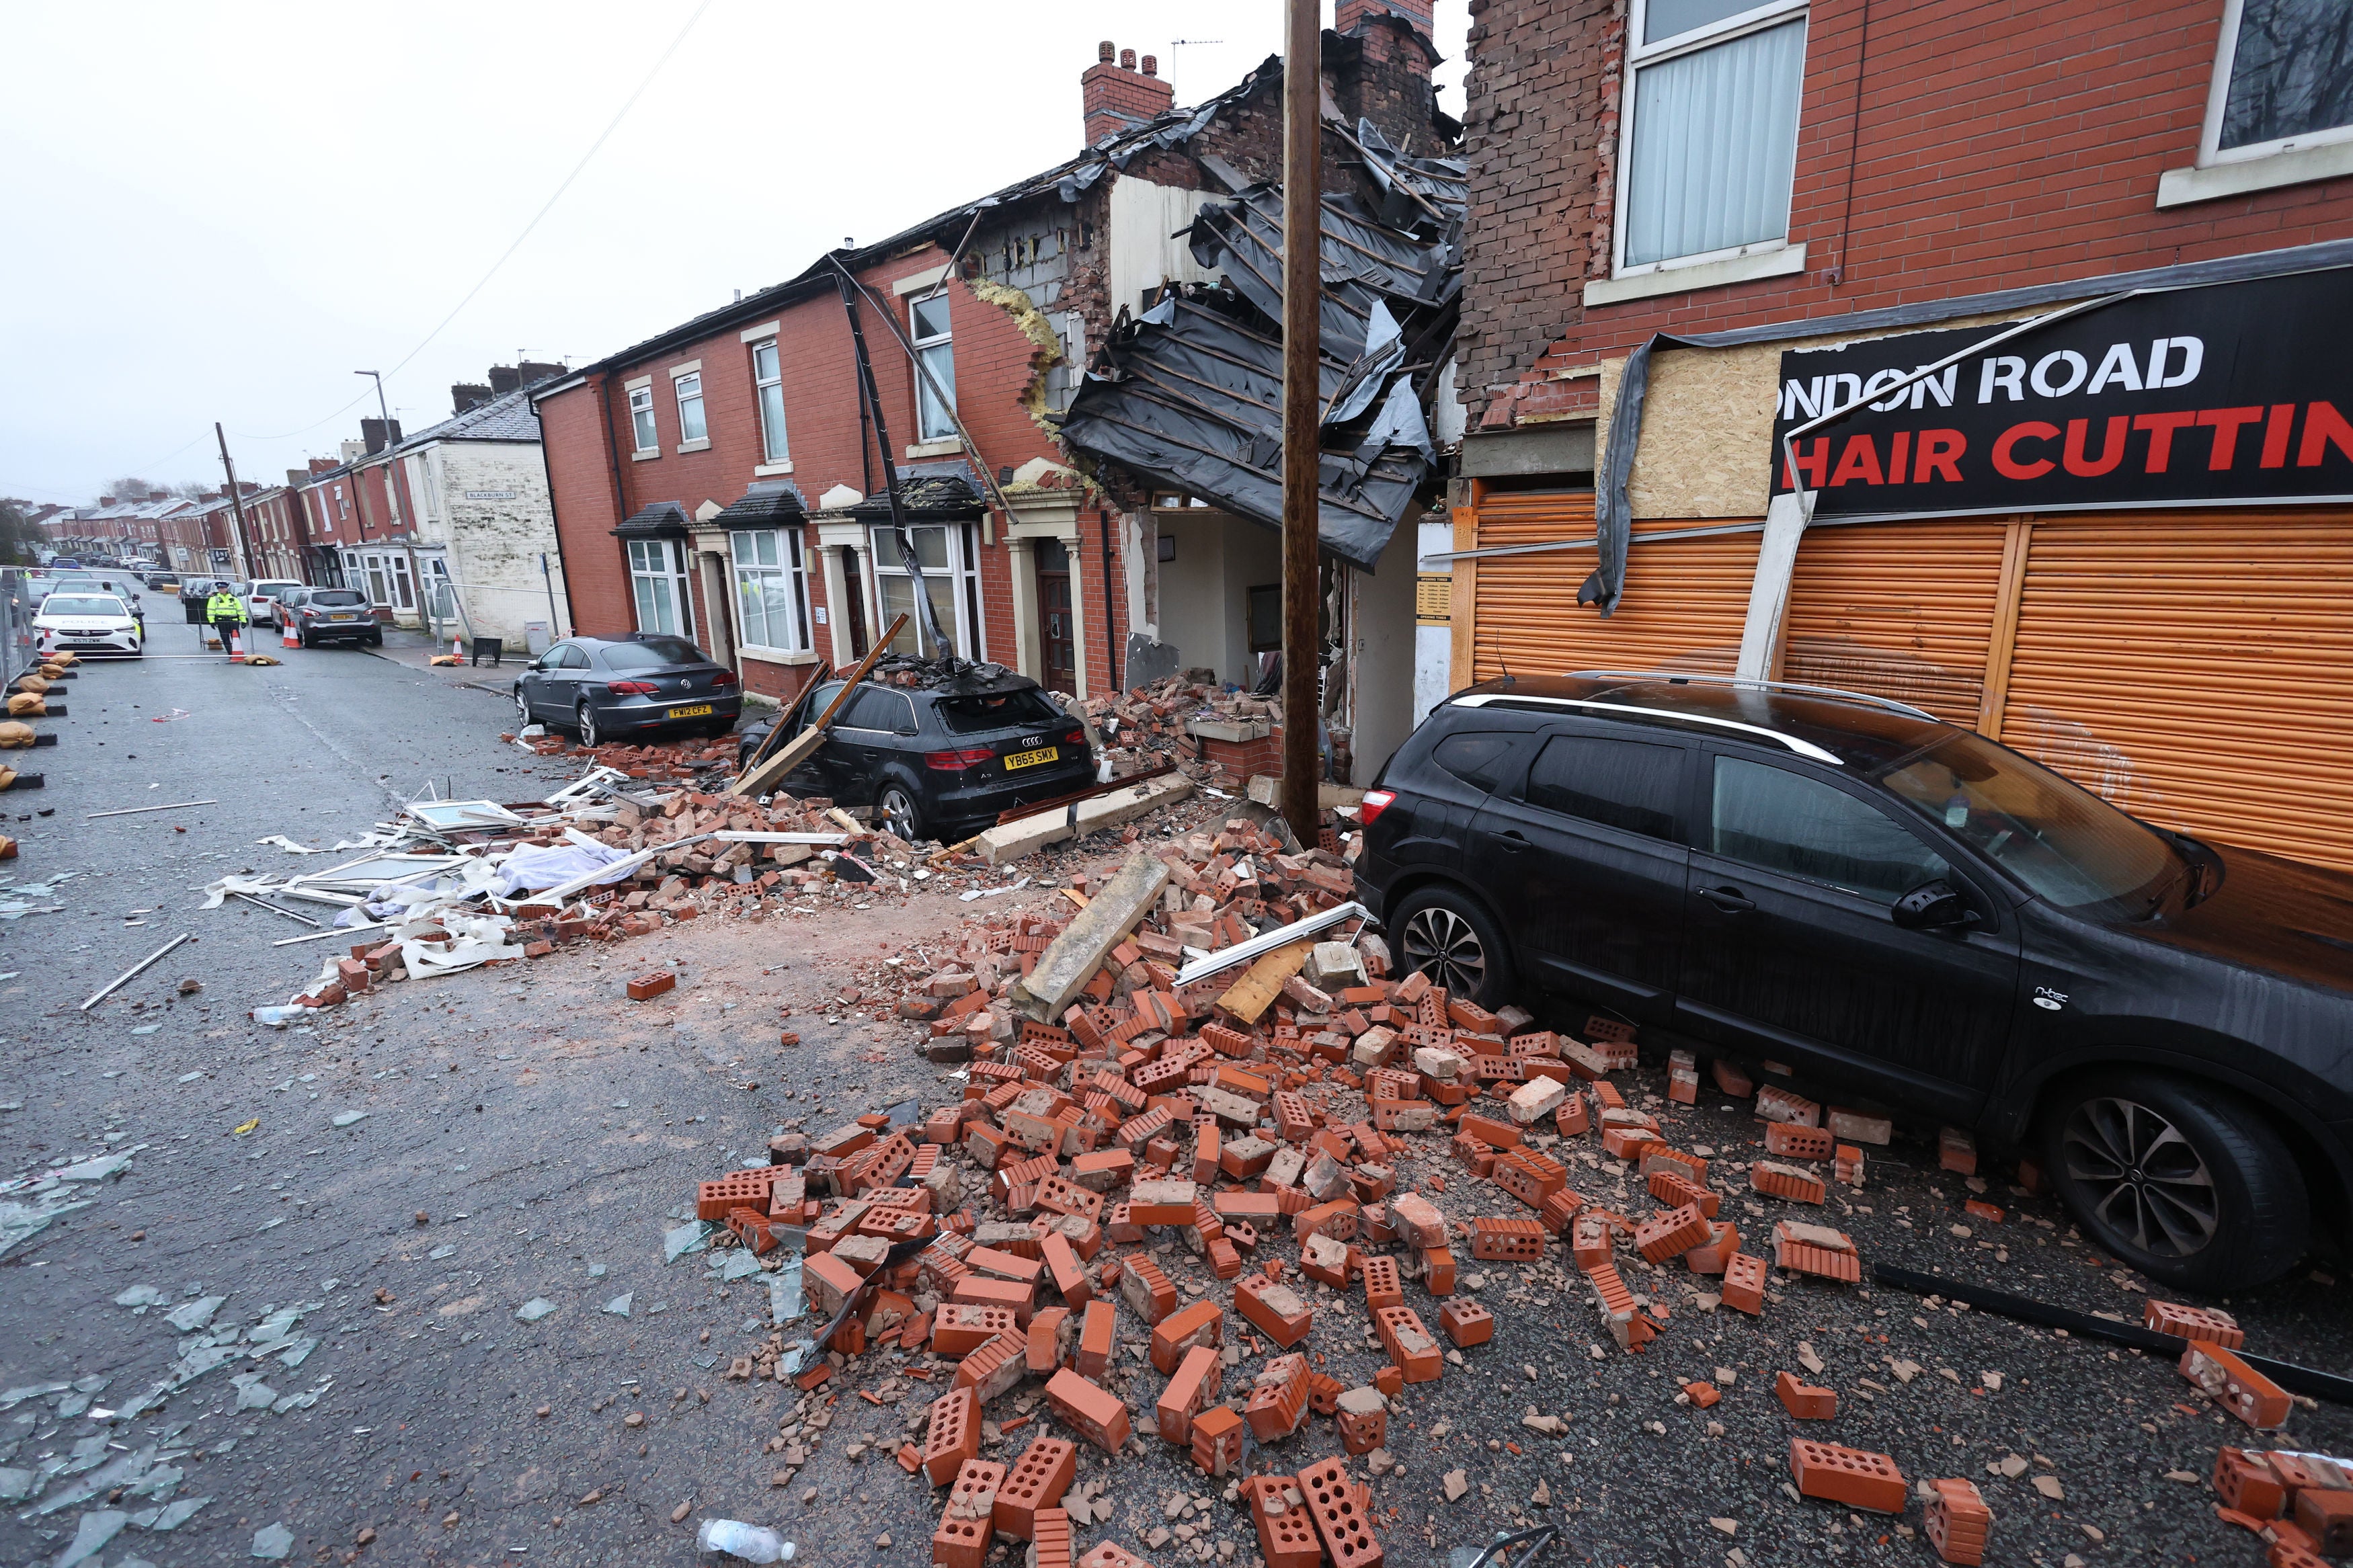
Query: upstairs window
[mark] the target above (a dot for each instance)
(691, 427)
(2283, 78)
(1712, 129)
(768, 380)
(935, 348)
(641, 418)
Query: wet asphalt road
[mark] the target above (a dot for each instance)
(547, 1130)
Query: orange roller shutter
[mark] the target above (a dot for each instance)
(2196, 670)
(1904, 610)
(1685, 599)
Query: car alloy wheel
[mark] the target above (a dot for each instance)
(589, 734)
(522, 709)
(1442, 944)
(2144, 1180)
(896, 807)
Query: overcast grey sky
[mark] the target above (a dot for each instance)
(221, 211)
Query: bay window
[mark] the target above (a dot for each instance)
(949, 554)
(772, 600)
(658, 586)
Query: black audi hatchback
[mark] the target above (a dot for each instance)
(1903, 910)
(610, 689)
(940, 760)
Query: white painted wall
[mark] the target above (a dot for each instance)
(488, 508)
(1433, 647)
(1144, 220)
(1383, 653)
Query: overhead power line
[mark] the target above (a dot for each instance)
(612, 125)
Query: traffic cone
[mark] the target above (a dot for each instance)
(287, 636)
(456, 645)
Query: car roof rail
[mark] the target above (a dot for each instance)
(1794, 687)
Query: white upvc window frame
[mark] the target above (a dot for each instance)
(1757, 19)
(686, 387)
(664, 561)
(962, 572)
(775, 443)
(2211, 152)
(2221, 171)
(926, 345)
(642, 428)
(791, 567)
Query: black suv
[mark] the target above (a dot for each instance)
(1910, 911)
(938, 761)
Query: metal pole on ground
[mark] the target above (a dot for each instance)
(1303, 297)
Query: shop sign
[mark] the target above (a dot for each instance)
(2231, 393)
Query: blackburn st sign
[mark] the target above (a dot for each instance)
(2224, 394)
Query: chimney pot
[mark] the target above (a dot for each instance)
(1127, 59)
(1103, 51)
(1151, 65)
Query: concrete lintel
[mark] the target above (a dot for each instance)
(1072, 958)
(1562, 448)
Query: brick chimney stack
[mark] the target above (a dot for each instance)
(1350, 14)
(1116, 95)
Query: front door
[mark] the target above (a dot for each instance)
(1588, 863)
(1056, 643)
(1790, 951)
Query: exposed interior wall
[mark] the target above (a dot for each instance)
(1146, 249)
(496, 521)
(1382, 647)
(1204, 592)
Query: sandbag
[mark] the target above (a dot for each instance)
(25, 706)
(7, 779)
(32, 683)
(14, 734)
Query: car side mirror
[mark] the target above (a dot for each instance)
(1932, 906)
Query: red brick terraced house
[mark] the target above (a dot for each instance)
(1981, 356)
(722, 480)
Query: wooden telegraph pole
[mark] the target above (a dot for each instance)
(1303, 297)
(237, 508)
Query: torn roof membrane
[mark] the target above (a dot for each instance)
(1190, 396)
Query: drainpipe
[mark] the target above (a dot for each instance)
(1110, 649)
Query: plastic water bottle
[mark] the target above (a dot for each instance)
(278, 1018)
(752, 1542)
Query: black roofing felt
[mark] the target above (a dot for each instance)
(928, 492)
(766, 504)
(661, 519)
(1191, 395)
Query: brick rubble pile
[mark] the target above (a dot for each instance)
(1269, 1186)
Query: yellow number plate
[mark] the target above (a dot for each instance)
(694, 712)
(1032, 759)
